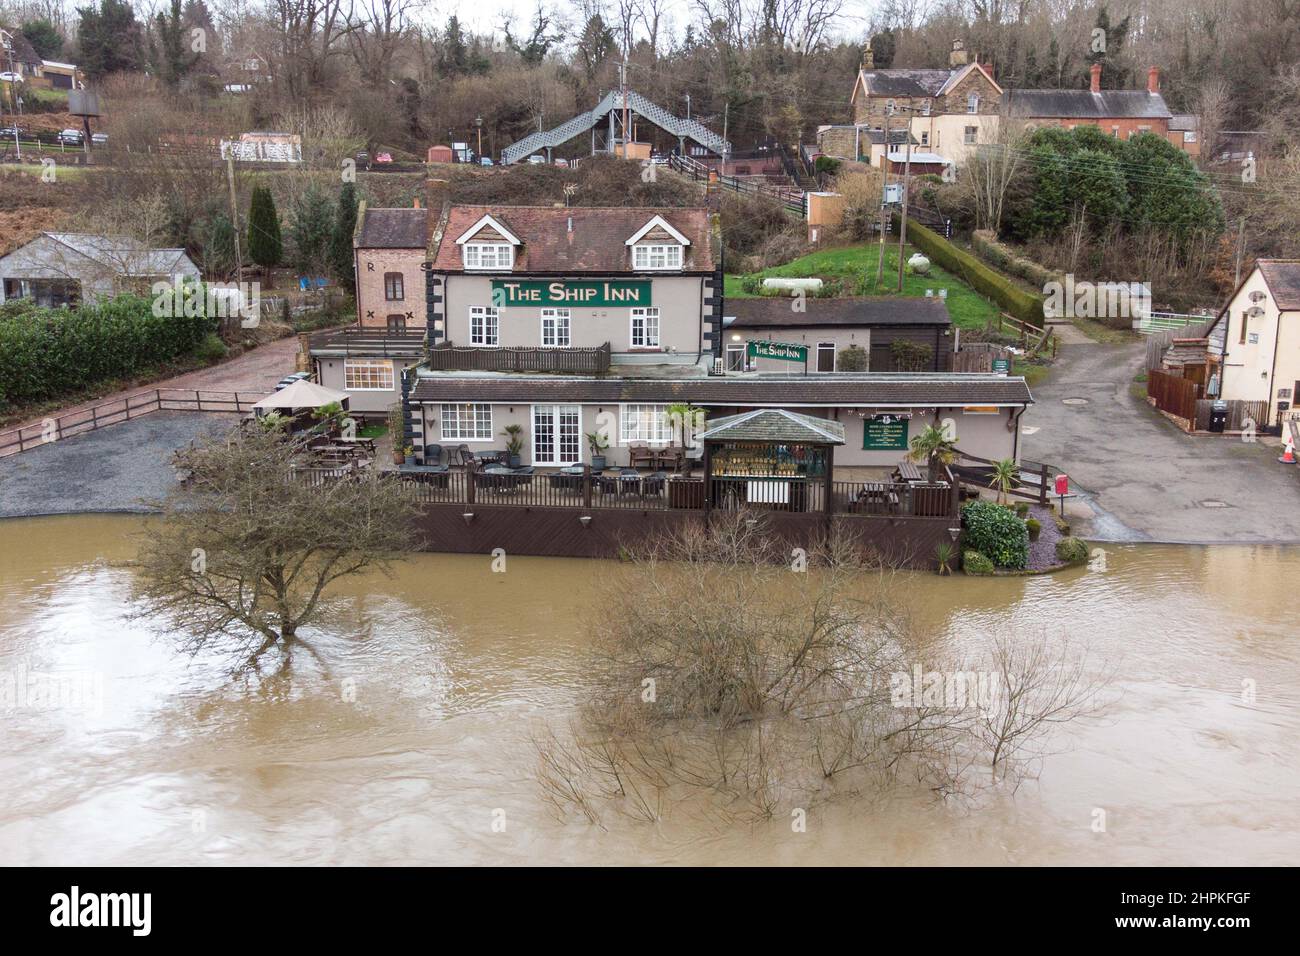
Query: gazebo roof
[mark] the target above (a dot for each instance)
(302, 394)
(775, 425)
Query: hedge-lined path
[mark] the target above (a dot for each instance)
(255, 371)
(1142, 478)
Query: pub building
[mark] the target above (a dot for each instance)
(573, 321)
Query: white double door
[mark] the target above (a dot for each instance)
(557, 434)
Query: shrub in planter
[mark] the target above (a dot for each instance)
(1071, 551)
(972, 562)
(1034, 527)
(1022, 508)
(996, 532)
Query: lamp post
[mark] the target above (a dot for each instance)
(6, 38)
(478, 122)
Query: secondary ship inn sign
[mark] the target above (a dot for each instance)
(596, 293)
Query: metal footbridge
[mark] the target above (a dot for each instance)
(614, 103)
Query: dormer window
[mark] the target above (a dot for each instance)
(657, 256)
(488, 255)
(658, 246)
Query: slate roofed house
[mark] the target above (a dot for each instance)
(27, 62)
(1119, 113)
(389, 246)
(59, 268)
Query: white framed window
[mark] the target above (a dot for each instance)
(972, 134)
(488, 255)
(645, 328)
(925, 139)
(555, 328)
(368, 375)
(644, 423)
(484, 325)
(973, 103)
(471, 421)
(657, 256)
(557, 434)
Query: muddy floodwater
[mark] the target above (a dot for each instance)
(115, 749)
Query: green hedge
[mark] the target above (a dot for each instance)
(995, 532)
(1000, 256)
(46, 353)
(1025, 306)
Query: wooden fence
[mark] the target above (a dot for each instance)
(449, 357)
(1238, 412)
(1158, 342)
(1177, 396)
(119, 410)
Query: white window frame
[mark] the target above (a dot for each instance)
(555, 411)
(502, 258)
(484, 313)
(645, 315)
(971, 135)
(480, 432)
(973, 103)
(561, 331)
(657, 257)
(636, 424)
(369, 365)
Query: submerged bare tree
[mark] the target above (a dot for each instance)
(740, 679)
(245, 552)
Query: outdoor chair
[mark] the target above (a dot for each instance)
(638, 455)
(433, 454)
(465, 455)
(654, 484)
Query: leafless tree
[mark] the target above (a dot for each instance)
(308, 33)
(379, 28)
(243, 555)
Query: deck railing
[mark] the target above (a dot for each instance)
(58, 427)
(448, 357)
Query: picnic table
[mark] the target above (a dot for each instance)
(907, 471)
(436, 475)
(500, 478)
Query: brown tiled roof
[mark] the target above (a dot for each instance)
(777, 311)
(394, 229)
(1283, 278)
(597, 242)
(827, 389)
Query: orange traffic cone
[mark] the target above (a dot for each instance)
(1288, 452)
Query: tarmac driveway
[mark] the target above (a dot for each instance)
(1141, 478)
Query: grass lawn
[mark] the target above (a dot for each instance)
(372, 431)
(855, 266)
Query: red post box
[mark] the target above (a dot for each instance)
(1062, 484)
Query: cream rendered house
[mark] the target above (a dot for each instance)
(1257, 340)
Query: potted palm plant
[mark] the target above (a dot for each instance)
(597, 443)
(513, 434)
(935, 448)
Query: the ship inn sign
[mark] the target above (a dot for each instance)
(778, 350)
(601, 292)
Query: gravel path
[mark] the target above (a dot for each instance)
(111, 469)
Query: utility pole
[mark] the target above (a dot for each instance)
(884, 203)
(7, 38)
(1241, 249)
(623, 83)
(902, 219)
(234, 215)
(726, 111)
(688, 105)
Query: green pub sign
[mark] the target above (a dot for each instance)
(601, 292)
(778, 350)
(1002, 365)
(884, 433)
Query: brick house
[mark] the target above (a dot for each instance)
(1120, 113)
(389, 247)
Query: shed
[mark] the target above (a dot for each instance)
(440, 154)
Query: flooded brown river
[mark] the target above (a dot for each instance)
(420, 737)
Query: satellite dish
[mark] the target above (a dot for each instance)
(1257, 296)
(1255, 312)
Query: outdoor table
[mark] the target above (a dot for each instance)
(907, 471)
(570, 477)
(500, 478)
(436, 475)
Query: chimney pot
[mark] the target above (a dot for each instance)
(1153, 80)
(1096, 77)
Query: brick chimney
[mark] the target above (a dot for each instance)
(1096, 78)
(435, 194)
(958, 55)
(1153, 80)
(868, 57)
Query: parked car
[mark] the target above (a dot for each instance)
(99, 139)
(485, 161)
(9, 132)
(381, 158)
(562, 163)
(290, 379)
(71, 137)
(536, 158)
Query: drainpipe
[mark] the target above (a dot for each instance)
(1015, 430)
(1272, 376)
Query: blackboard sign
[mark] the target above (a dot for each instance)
(884, 433)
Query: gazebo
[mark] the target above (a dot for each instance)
(770, 458)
